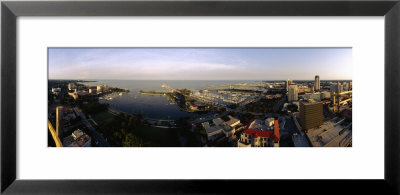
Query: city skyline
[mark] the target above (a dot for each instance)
(200, 63)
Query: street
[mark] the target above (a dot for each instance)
(96, 136)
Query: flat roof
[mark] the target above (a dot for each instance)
(328, 132)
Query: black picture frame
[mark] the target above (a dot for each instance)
(10, 10)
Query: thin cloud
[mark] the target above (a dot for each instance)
(200, 63)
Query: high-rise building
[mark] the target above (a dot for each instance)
(311, 114)
(288, 82)
(293, 93)
(317, 86)
(59, 121)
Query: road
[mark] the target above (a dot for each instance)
(281, 102)
(96, 136)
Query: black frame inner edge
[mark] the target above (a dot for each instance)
(10, 10)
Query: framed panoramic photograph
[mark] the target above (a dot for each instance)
(133, 97)
(177, 97)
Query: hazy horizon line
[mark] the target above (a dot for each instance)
(199, 79)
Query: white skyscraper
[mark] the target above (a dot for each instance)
(288, 82)
(293, 93)
(317, 83)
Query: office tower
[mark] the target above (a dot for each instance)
(317, 86)
(59, 121)
(288, 82)
(293, 93)
(311, 114)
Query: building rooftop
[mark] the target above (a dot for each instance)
(310, 102)
(210, 129)
(218, 121)
(334, 132)
(77, 139)
(232, 121)
(260, 125)
(258, 133)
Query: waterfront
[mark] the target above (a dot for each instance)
(154, 106)
(200, 97)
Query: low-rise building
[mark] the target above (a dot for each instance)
(325, 95)
(56, 91)
(257, 136)
(220, 127)
(332, 133)
(212, 131)
(233, 122)
(77, 139)
(315, 96)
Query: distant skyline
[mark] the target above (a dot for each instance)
(200, 63)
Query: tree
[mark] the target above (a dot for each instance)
(132, 141)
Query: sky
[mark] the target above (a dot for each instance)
(200, 63)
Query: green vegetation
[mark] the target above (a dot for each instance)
(154, 92)
(245, 118)
(292, 108)
(129, 131)
(179, 99)
(167, 137)
(93, 107)
(155, 136)
(120, 130)
(200, 131)
(225, 118)
(222, 142)
(233, 106)
(116, 89)
(104, 117)
(183, 122)
(185, 92)
(131, 141)
(262, 106)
